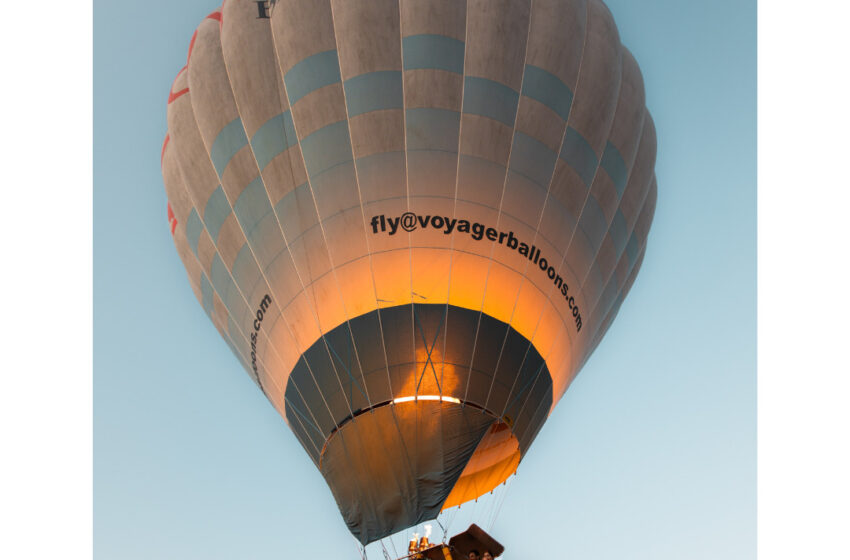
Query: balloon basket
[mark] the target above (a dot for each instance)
(459, 546)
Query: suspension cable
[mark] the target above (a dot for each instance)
(507, 485)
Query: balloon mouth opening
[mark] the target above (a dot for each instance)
(411, 399)
(386, 461)
(426, 398)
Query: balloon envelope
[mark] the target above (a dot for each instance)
(412, 222)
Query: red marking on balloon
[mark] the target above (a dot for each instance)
(172, 219)
(216, 16)
(174, 95)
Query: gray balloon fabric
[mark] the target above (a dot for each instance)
(412, 221)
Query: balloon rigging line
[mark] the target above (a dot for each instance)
(629, 274)
(223, 317)
(360, 548)
(191, 197)
(293, 379)
(634, 160)
(324, 236)
(592, 182)
(183, 185)
(540, 218)
(362, 212)
(392, 544)
(445, 531)
(244, 297)
(330, 260)
(357, 181)
(502, 503)
(631, 168)
(457, 173)
(597, 324)
(527, 398)
(499, 210)
(496, 495)
(280, 227)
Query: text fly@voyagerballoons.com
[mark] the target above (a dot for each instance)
(410, 221)
(258, 322)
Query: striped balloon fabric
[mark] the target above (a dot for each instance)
(412, 221)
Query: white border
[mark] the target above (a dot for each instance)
(45, 400)
(804, 249)
(46, 393)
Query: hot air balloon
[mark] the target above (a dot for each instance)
(412, 222)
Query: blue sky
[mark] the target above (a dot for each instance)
(651, 454)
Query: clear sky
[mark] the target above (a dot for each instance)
(651, 454)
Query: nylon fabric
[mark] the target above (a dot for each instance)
(412, 223)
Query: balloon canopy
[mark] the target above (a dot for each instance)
(412, 222)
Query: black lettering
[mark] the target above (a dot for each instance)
(523, 249)
(393, 225)
(410, 221)
(450, 225)
(477, 231)
(261, 312)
